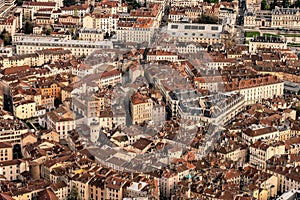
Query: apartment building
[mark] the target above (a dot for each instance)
(97, 187)
(157, 55)
(80, 183)
(105, 22)
(50, 88)
(258, 132)
(69, 19)
(217, 109)
(91, 34)
(30, 8)
(115, 187)
(203, 33)
(109, 119)
(77, 47)
(61, 120)
(12, 169)
(159, 113)
(227, 16)
(12, 129)
(178, 14)
(292, 179)
(25, 109)
(232, 151)
(75, 10)
(211, 83)
(257, 88)
(111, 7)
(41, 19)
(153, 11)
(110, 78)
(260, 152)
(61, 189)
(141, 108)
(185, 3)
(136, 190)
(266, 42)
(6, 151)
(190, 47)
(59, 3)
(135, 30)
(9, 24)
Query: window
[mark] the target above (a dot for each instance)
(174, 26)
(214, 28)
(201, 27)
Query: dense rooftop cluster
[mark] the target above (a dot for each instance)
(151, 99)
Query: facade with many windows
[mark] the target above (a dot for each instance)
(203, 33)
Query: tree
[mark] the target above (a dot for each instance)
(83, 57)
(19, 2)
(106, 35)
(69, 2)
(285, 3)
(263, 4)
(6, 37)
(28, 29)
(73, 194)
(48, 31)
(204, 19)
(76, 12)
(132, 4)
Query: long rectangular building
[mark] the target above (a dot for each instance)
(204, 33)
(77, 47)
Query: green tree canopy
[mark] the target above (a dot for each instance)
(73, 194)
(6, 37)
(204, 19)
(28, 29)
(69, 2)
(285, 3)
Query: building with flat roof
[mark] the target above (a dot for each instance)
(204, 33)
(77, 47)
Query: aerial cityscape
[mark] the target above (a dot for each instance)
(150, 100)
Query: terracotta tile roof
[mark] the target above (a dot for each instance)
(260, 131)
(31, 3)
(138, 98)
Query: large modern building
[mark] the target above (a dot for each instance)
(204, 33)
